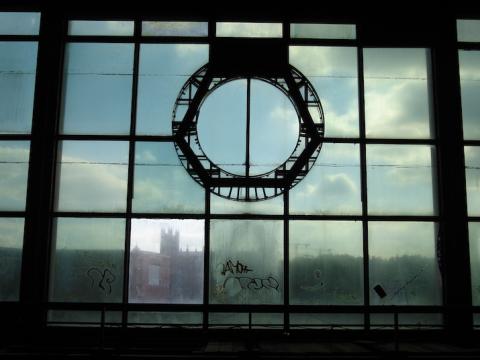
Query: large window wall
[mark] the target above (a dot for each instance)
(133, 235)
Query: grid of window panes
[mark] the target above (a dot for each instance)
(468, 31)
(132, 226)
(18, 62)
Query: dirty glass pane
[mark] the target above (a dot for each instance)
(110, 28)
(468, 30)
(163, 70)
(14, 159)
(161, 183)
(246, 262)
(164, 318)
(469, 62)
(319, 252)
(83, 318)
(219, 205)
(87, 260)
(327, 321)
(401, 179)
(472, 169)
(333, 73)
(19, 23)
(11, 243)
(97, 88)
(474, 235)
(92, 176)
(332, 186)
(166, 261)
(397, 93)
(18, 63)
(323, 31)
(255, 30)
(174, 28)
(403, 262)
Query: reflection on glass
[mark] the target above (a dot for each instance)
(163, 70)
(87, 260)
(219, 205)
(161, 183)
(11, 243)
(472, 170)
(165, 318)
(323, 31)
(469, 62)
(110, 28)
(403, 263)
(333, 73)
(332, 186)
(342, 321)
(97, 88)
(246, 262)
(166, 261)
(174, 28)
(255, 30)
(474, 235)
(326, 263)
(18, 62)
(14, 158)
(19, 23)
(417, 321)
(401, 179)
(468, 30)
(222, 126)
(397, 94)
(92, 176)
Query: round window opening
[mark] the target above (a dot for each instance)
(247, 138)
(247, 127)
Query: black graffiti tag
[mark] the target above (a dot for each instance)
(103, 279)
(238, 268)
(254, 283)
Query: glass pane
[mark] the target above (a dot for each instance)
(397, 93)
(319, 252)
(222, 126)
(83, 318)
(14, 159)
(333, 73)
(18, 62)
(19, 23)
(404, 267)
(164, 68)
(166, 261)
(111, 28)
(468, 30)
(97, 89)
(469, 62)
(413, 321)
(161, 182)
(401, 179)
(174, 28)
(274, 127)
(333, 184)
(332, 321)
(246, 262)
(323, 31)
(165, 318)
(472, 169)
(87, 260)
(219, 205)
(474, 235)
(92, 176)
(258, 30)
(11, 244)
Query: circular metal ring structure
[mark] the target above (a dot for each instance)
(296, 87)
